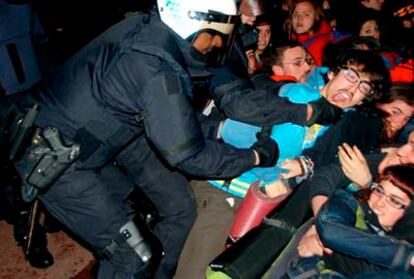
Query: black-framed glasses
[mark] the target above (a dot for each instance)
(393, 201)
(298, 62)
(353, 77)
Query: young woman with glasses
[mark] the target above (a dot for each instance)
(355, 231)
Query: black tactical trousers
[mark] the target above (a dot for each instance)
(90, 204)
(169, 191)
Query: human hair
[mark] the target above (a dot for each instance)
(319, 15)
(279, 48)
(369, 63)
(399, 91)
(403, 229)
(362, 17)
(401, 176)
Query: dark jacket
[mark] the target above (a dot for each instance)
(361, 128)
(130, 83)
(348, 227)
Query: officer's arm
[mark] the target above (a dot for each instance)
(218, 161)
(173, 128)
(261, 107)
(240, 100)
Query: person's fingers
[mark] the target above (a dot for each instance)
(345, 171)
(343, 157)
(359, 154)
(328, 251)
(348, 149)
(345, 166)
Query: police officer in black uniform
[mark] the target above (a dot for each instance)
(125, 98)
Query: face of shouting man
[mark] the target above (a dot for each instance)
(349, 87)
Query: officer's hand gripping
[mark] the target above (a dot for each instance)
(324, 113)
(267, 149)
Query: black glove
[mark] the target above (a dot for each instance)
(267, 149)
(324, 113)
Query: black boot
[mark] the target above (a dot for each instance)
(38, 254)
(51, 224)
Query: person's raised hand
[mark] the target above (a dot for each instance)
(354, 165)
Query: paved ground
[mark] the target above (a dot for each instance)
(71, 260)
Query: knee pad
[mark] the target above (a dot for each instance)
(130, 234)
(136, 241)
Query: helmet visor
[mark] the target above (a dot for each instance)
(215, 36)
(191, 18)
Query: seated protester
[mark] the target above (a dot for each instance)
(309, 27)
(368, 33)
(257, 55)
(289, 60)
(381, 123)
(398, 107)
(291, 138)
(399, 63)
(354, 171)
(281, 225)
(345, 89)
(368, 25)
(354, 231)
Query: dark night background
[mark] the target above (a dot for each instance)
(71, 24)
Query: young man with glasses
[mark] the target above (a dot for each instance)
(290, 61)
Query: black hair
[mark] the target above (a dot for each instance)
(278, 48)
(363, 16)
(399, 91)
